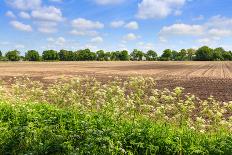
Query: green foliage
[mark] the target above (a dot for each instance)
(218, 54)
(137, 55)
(65, 55)
(50, 55)
(32, 55)
(100, 55)
(0, 53)
(204, 54)
(167, 55)
(131, 117)
(13, 55)
(227, 56)
(124, 56)
(151, 55)
(85, 55)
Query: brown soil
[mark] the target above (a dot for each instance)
(200, 78)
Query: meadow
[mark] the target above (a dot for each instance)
(42, 111)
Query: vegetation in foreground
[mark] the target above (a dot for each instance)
(85, 116)
(204, 53)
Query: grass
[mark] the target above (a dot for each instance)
(84, 116)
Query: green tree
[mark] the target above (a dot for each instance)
(0, 53)
(100, 55)
(151, 55)
(191, 53)
(50, 55)
(32, 55)
(167, 55)
(227, 56)
(175, 55)
(115, 56)
(137, 55)
(183, 55)
(85, 55)
(204, 54)
(13, 55)
(107, 56)
(65, 55)
(124, 56)
(218, 54)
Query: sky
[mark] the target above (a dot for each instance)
(114, 24)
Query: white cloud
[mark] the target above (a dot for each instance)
(200, 17)
(209, 33)
(130, 37)
(182, 29)
(46, 26)
(84, 24)
(220, 32)
(220, 22)
(145, 46)
(56, 0)
(19, 46)
(84, 33)
(106, 2)
(132, 25)
(117, 24)
(4, 43)
(24, 4)
(50, 13)
(159, 8)
(10, 14)
(60, 41)
(20, 26)
(24, 15)
(97, 40)
(47, 29)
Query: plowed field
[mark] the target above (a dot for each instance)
(200, 78)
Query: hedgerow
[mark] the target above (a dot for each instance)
(85, 116)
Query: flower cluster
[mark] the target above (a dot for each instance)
(130, 98)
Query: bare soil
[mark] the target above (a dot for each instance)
(200, 78)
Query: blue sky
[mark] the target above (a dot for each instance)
(114, 24)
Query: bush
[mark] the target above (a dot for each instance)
(50, 55)
(13, 55)
(32, 55)
(85, 116)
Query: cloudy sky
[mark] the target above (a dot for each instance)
(114, 24)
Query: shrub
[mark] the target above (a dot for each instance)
(85, 116)
(13, 55)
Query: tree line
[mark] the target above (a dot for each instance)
(204, 53)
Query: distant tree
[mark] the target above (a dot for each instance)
(151, 55)
(137, 55)
(65, 55)
(227, 56)
(218, 54)
(175, 55)
(107, 56)
(167, 55)
(50, 55)
(115, 56)
(124, 56)
(0, 53)
(204, 54)
(100, 55)
(183, 55)
(13, 55)
(191, 53)
(85, 55)
(32, 55)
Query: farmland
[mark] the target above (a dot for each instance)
(200, 78)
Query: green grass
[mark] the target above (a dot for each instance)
(45, 129)
(87, 117)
